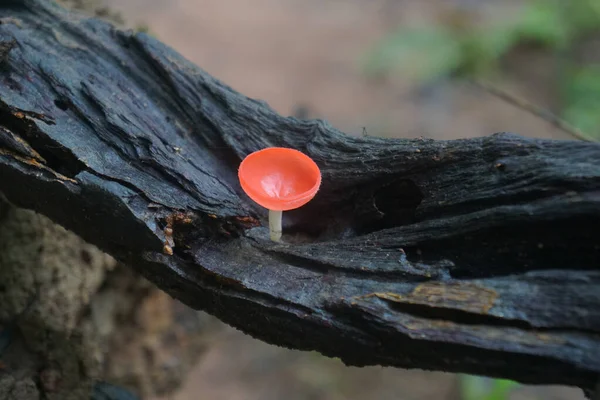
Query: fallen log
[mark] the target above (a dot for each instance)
(477, 255)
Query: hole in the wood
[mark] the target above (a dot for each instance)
(57, 157)
(390, 205)
(190, 232)
(62, 104)
(398, 201)
(317, 223)
(183, 253)
(518, 248)
(374, 208)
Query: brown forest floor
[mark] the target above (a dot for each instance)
(294, 53)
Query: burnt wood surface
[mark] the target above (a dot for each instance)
(477, 255)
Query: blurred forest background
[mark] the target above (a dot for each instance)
(393, 68)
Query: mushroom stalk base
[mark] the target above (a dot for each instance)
(275, 225)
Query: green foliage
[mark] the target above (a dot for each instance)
(478, 388)
(543, 22)
(424, 54)
(582, 98)
(583, 16)
(418, 54)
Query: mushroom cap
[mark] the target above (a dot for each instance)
(279, 178)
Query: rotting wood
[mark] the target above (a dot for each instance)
(477, 255)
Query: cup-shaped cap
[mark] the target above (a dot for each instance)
(279, 179)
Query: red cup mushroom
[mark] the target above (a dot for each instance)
(279, 179)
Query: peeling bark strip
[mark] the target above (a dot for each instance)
(479, 255)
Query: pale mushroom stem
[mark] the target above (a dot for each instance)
(275, 225)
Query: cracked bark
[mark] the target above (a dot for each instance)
(476, 255)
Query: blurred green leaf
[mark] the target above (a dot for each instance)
(581, 93)
(472, 387)
(499, 39)
(544, 22)
(420, 54)
(585, 117)
(480, 53)
(501, 389)
(584, 83)
(583, 15)
(480, 388)
(431, 52)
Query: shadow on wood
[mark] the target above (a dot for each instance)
(477, 255)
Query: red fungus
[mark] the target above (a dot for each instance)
(279, 179)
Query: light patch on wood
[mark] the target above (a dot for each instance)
(468, 297)
(421, 326)
(65, 41)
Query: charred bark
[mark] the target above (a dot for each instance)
(477, 255)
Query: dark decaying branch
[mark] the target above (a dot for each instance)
(478, 255)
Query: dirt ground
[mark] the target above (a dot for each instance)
(307, 53)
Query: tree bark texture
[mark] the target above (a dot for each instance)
(477, 255)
